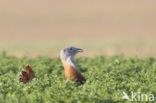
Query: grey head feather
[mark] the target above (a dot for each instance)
(67, 54)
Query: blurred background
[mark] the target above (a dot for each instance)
(101, 27)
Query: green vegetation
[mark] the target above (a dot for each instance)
(107, 78)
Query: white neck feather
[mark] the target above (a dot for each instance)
(70, 61)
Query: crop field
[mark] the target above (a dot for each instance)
(107, 78)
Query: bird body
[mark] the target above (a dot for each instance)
(72, 73)
(24, 77)
(70, 68)
(27, 75)
(30, 72)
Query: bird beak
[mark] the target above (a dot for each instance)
(79, 50)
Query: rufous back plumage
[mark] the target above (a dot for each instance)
(73, 74)
(27, 75)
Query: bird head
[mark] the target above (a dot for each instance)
(69, 52)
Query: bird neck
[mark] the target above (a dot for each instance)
(70, 61)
